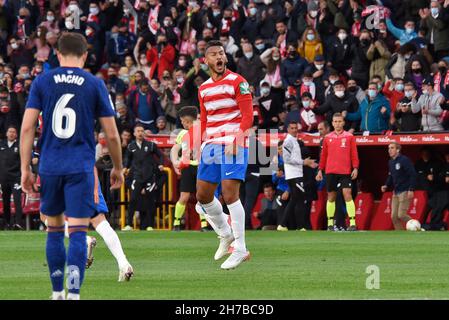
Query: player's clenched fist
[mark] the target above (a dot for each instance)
(27, 181)
(116, 179)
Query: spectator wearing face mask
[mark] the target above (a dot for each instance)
(373, 113)
(416, 71)
(441, 79)
(319, 72)
(429, 104)
(250, 66)
(252, 22)
(308, 85)
(438, 35)
(406, 120)
(161, 57)
(396, 67)
(309, 18)
(187, 84)
(292, 67)
(354, 90)
(7, 118)
(23, 24)
(360, 64)
(50, 22)
(114, 83)
(310, 45)
(379, 55)
(403, 35)
(339, 101)
(271, 58)
(269, 106)
(340, 52)
(393, 90)
(19, 54)
(307, 118)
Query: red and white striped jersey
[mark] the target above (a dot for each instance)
(225, 108)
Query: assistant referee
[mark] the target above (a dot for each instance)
(340, 162)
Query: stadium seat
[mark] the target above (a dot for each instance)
(382, 217)
(364, 203)
(318, 212)
(418, 206)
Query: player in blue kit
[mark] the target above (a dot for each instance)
(110, 237)
(70, 100)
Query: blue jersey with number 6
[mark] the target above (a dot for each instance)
(70, 99)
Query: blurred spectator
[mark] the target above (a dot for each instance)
(310, 45)
(161, 57)
(429, 104)
(269, 106)
(292, 67)
(10, 179)
(144, 167)
(161, 124)
(379, 55)
(338, 102)
(307, 118)
(145, 106)
(268, 210)
(438, 35)
(355, 91)
(403, 35)
(374, 111)
(250, 66)
(406, 120)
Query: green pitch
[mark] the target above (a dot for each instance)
(284, 265)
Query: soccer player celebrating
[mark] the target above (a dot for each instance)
(226, 114)
(70, 100)
(187, 165)
(340, 161)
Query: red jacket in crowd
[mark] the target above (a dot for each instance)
(166, 61)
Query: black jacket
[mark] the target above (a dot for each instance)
(143, 161)
(9, 162)
(333, 104)
(401, 175)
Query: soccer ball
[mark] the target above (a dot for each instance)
(413, 225)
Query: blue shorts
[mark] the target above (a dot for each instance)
(101, 205)
(71, 194)
(215, 166)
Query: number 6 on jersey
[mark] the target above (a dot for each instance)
(62, 111)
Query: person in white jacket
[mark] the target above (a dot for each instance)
(293, 168)
(429, 103)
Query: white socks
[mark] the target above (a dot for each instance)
(58, 295)
(73, 296)
(112, 242)
(216, 218)
(238, 225)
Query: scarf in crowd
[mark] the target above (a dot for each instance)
(437, 81)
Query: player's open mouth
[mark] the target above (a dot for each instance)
(220, 64)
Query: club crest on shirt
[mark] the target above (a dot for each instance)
(146, 149)
(398, 166)
(343, 143)
(16, 150)
(244, 88)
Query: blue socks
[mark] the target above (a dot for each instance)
(76, 259)
(56, 257)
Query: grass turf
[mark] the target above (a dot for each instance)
(284, 265)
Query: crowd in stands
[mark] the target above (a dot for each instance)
(383, 64)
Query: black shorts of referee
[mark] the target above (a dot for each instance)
(334, 182)
(188, 179)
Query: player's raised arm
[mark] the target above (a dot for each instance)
(26, 147)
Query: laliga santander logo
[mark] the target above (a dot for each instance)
(388, 208)
(413, 209)
(359, 209)
(374, 14)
